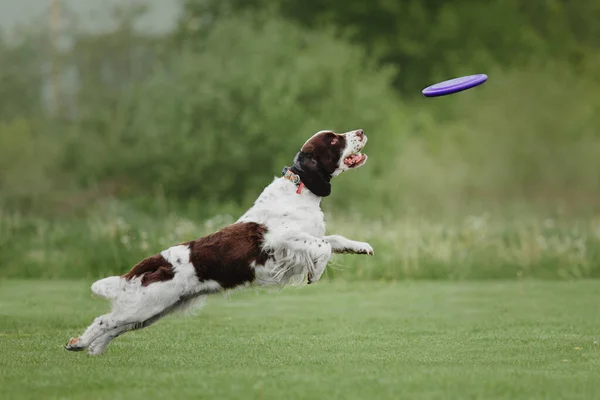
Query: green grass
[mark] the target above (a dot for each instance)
(517, 340)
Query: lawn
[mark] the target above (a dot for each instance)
(411, 340)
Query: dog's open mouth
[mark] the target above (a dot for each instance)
(355, 160)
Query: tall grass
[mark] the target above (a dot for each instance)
(475, 247)
(482, 246)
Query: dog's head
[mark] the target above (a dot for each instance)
(327, 154)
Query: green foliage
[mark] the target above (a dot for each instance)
(188, 126)
(431, 41)
(28, 163)
(206, 126)
(218, 122)
(518, 137)
(20, 75)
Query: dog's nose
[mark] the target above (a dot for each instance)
(360, 134)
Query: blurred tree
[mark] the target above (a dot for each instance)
(21, 75)
(106, 63)
(215, 121)
(430, 40)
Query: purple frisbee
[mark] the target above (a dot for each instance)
(454, 85)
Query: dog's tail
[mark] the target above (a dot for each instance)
(108, 288)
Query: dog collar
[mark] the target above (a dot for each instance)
(294, 178)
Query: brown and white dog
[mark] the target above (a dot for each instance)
(281, 237)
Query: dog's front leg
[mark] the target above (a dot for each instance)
(341, 245)
(305, 250)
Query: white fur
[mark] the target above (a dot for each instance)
(295, 239)
(107, 288)
(354, 144)
(135, 305)
(296, 227)
(340, 244)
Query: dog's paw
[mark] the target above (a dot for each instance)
(364, 248)
(74, 344)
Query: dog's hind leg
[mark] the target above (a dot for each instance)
(140, 298)
(133, 306)
(100, 344)
(100, 326)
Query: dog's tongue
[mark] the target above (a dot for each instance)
(352, 159)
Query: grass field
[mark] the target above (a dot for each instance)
(506, 340)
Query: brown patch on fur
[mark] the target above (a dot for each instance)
(226, 256)
(153, 269)
(326, 149)
(164, 273)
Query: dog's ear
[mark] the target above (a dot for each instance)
(313, 177)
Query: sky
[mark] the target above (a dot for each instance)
(93, 14)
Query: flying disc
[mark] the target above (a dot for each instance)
(454, 85)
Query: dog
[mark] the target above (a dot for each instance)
(280, 237)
